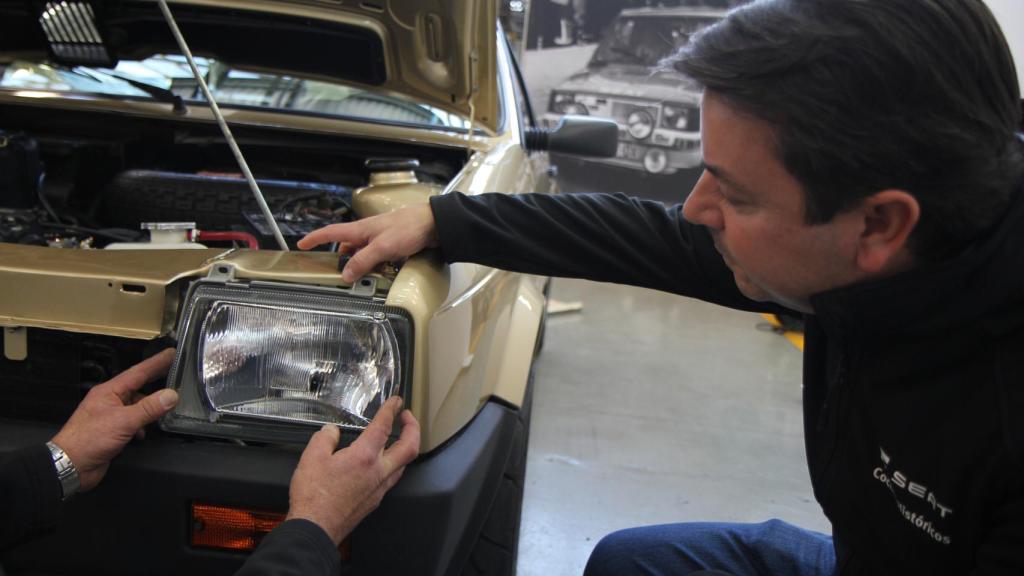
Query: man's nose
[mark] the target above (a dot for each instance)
(701, 206)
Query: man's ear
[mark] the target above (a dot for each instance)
(889, 217)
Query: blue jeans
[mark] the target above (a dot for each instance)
(772, 548)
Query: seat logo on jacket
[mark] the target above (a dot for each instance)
(898, 484)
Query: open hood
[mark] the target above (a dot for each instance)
(439, 52)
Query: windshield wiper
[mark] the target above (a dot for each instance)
(158, 93)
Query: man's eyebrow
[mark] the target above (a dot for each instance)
(724, 176)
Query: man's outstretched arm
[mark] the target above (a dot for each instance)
(603, 237)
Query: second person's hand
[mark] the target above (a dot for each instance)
(381, 238)
(111, 414)
(337, 489)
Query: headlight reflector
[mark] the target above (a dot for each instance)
(290, 364)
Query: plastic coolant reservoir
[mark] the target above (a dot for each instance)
(163, 236)
(390, 189)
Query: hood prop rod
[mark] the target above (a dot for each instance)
(223, 126)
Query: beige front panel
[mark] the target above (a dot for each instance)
(120, 293)
(126, 292)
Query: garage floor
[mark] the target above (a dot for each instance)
(651, 408)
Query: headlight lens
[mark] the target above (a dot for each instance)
(640, 124)
(269, 363)
(679, 117)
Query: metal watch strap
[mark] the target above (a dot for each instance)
(66, 471)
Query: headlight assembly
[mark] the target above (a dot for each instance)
(640, 124)
(564, 103)
(575, 108)
(273, 362)
(679, 117)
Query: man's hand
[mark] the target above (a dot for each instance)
(335, 490)
(111, 414)
(381, 238)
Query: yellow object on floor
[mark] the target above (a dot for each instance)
(797, 338)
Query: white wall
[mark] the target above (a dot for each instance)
(1010, 14)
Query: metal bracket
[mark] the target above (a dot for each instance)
(221, 273)
(365, 286)
(224, 273)
(16, 343)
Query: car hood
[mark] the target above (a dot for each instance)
(634, 82)
(440, 52)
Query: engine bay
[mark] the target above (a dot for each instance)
(92, 180)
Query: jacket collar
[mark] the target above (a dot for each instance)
(982, 287)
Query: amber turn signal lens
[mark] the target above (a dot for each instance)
(231, 528)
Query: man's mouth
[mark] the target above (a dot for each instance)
(724, 253)
(718, 246)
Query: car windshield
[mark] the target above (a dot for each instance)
(646, 40)
(230, 87)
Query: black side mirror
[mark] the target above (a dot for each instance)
(580, 135)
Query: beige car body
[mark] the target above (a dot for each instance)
(475, 327)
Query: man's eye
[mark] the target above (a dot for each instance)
(733, 199)
(727, 195)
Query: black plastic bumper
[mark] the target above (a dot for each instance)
(138, 520)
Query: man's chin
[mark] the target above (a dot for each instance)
(749, 289)
(758, 294)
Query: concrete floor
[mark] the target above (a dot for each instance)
(652, 408)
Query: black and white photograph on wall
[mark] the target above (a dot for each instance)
(608, 58)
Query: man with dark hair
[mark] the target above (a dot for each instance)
(863, 167)
(864, 96)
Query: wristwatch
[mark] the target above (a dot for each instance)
(66, 471)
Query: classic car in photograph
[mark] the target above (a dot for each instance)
(628, 79)
(127, 226)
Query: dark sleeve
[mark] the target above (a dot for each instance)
(30, 495)
(1000, 553)
(1002, 545)
(602, 237)
(296, 547)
